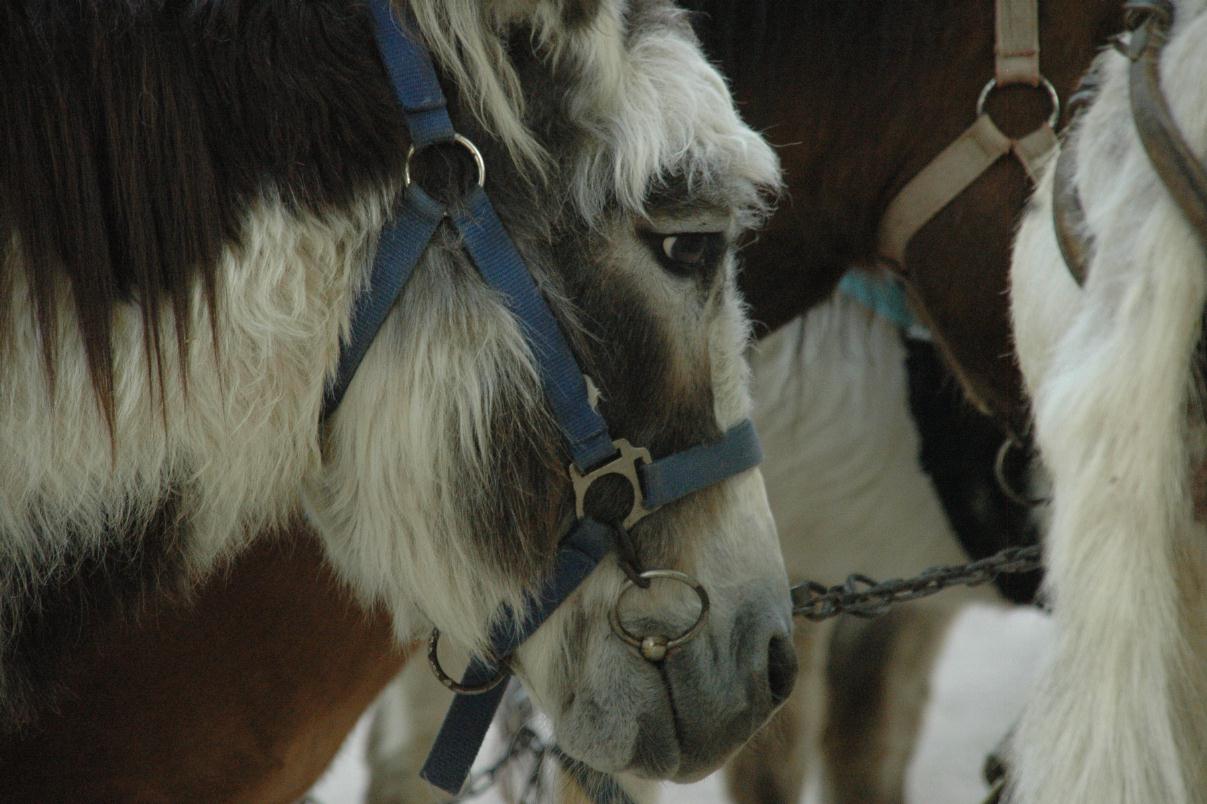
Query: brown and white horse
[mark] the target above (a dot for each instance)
(842, 89)
(188, 197)
(1115, 368)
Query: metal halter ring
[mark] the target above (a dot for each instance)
(479, 162)
(625, 465)
(1003, 482)
(658, 647)
(1045, 84)
(444, 678)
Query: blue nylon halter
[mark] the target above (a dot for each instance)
(400, 247)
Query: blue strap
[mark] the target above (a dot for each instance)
(882, 295)
(675, 476)
(413, 78)
(399, 248)
(468, 719)
(501, 265)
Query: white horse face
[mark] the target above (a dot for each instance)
(443, 463)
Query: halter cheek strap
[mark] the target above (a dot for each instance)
(591, 447)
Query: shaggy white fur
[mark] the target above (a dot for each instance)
(1121, 713)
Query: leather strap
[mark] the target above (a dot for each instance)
(1034, 150)
(958, 165)
(937, 185)
(413, 78)
(1068, 217)
(399, 248)
(1016, 51)
(1172, 158)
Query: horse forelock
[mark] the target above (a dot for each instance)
(643, 103)
(656, 112)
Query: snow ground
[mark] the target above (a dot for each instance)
(988, 662)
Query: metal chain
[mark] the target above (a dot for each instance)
(861, 596)
(526, 744)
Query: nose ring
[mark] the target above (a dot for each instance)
(656, 647)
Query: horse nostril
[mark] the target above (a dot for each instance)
(781, 668)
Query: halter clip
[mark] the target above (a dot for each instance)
(625, 465)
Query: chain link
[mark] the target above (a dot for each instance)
(861, 596)
(527, 746)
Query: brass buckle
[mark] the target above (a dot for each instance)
(625, 465)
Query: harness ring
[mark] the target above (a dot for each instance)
(457, 139)
(657, 647)
(433, 660)
(1044, 83)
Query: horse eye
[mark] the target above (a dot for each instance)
(688, 253)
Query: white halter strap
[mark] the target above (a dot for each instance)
(1016, 56)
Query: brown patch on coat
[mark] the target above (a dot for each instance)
(243, 696)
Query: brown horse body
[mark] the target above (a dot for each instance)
(243, 694)
(247, 694)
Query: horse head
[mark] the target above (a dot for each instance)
(214, 178)
(625, 177)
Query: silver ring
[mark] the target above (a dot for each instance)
(479, 162)
(658, 647)
(433, 660)
(1044, 83)
(1003, 482)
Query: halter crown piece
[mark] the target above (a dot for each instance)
(593, 451)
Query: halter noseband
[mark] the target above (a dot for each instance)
(594, 453)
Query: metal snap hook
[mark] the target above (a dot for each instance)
(433, 660)
(655, 648)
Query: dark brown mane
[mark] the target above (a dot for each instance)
(137, 134)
